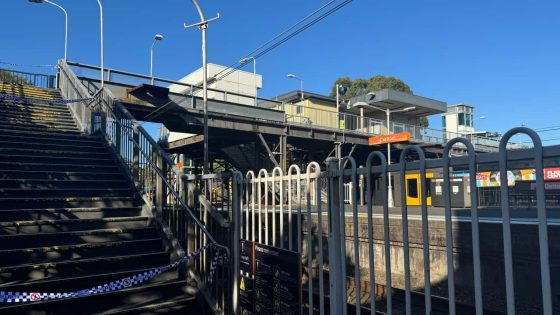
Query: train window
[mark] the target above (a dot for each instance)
(412, 187)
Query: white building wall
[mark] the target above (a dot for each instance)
(239, 82)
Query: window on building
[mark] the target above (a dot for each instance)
(443, 121)
(469, 119)
(461, 119)
(299, 110)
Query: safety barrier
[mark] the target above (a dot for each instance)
(374, 258)
(27, 78)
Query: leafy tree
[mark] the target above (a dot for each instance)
(7, 76)
(361, 86)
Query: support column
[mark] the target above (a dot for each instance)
(336, 279)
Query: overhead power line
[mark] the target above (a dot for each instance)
(288, 37)
(263, 49)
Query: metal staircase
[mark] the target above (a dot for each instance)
(80, 208)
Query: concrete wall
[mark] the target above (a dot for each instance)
(526, 260)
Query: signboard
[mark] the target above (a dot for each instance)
(392, 138)
(552, 173)
(270, 281)
(492, 179)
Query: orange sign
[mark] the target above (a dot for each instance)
(179, 164)
(392, 138)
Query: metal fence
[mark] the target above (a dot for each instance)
(157, 182)
(26, 78)
(376, 259)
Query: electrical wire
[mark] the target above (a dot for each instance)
(238, 65)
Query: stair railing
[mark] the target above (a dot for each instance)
(157, 181)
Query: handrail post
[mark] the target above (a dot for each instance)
(160, 187)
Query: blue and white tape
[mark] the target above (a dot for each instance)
(25, 297)
(14, 98)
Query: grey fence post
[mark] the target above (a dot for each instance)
(336, 277)
(237, 181)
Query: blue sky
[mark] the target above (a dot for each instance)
(500, 56)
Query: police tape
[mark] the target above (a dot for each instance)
(25, 297)
(10, 97)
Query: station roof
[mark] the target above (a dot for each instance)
(394, 100)
(295, 96)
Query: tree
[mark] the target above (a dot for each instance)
(9, 77)
(361, 86)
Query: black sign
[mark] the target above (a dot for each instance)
(246, 295)
(270, 281)
(277, 281)
(246, 249)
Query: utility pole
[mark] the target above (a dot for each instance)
(203, 25)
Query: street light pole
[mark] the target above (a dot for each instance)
(157, 38)
(293, 76)
(388, 112)
(244, 61)
(202, 26)
(102, 40)
(66, 23)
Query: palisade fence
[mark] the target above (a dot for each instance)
(157, 182)
(46, 81)
(374, 259)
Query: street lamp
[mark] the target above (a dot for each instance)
(101, 43)
(157, 38)
(66, 23)
(293, 76)
(388, 112)
(246, 60)
(202, 26)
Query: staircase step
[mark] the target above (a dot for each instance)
(28, 119)
(40, 104)
(56, 167)
(38, 125)
(84, 202)
(76, 267)
(9, 193)
(54, 158)
(6, 113)
(50, 140)
(60, 159)
(67, 213)
(45, 129)
(19, 109)
(135, 300)
(49, 135)
(21, 241)
(53, 254)
(81, 282)
(61, 184)
(53, 226)
(61, 176)
(52, 148)
(43, 151)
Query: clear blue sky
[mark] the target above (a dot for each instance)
(500, 56)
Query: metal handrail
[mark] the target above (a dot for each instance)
(163, 155)
(157, 79)
(112, 100)
(27, 78)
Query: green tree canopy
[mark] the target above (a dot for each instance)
(361, 86)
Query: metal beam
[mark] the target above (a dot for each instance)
(270, 154)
